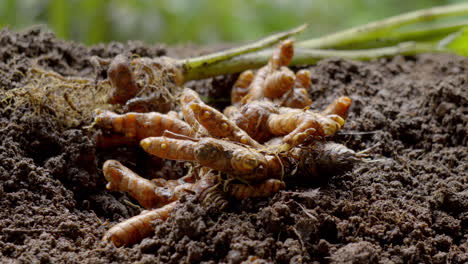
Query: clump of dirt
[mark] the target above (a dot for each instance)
(410, 206)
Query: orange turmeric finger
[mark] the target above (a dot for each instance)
(187, 97)
(138, 227)
(298, 125)
(120, 178)
(241, 87)
(253, 118)
(303, 79)
(283, 55)
(231, 112)
(339, 107)
(278, 83)
(255, 91)
(141, 125)
(170, 148)
(220, 126)
(296, 98)
(234, 159)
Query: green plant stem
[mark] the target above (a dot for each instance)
(227, 54)
(311, 56)
(377, 29)
(429, 33)
(375, 34)
(305, 57)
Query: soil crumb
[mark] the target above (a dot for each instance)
(411, 206)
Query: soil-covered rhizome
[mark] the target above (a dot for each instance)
(410, 207)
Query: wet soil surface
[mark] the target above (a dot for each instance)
(409, 206)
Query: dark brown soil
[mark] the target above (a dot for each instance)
(411, 206)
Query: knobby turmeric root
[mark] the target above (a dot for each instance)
(268, 135)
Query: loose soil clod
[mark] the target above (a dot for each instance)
(408, 209)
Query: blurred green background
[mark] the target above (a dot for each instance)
(196, 21)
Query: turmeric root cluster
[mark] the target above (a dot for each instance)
(268, 134)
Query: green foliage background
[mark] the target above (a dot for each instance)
(196, 21)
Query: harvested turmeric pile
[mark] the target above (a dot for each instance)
(267, 135)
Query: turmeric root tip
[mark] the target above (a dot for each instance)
(218, 125)
(138, 227)
(339, 107)
(241, 87)
(169, 148)
(120, 178)
(278, 83)
(141, 125)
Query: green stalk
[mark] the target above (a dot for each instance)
(228, 54)
(312, 56)
(374, 30)
(428, 33)
(305, 57)
(371, 36)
